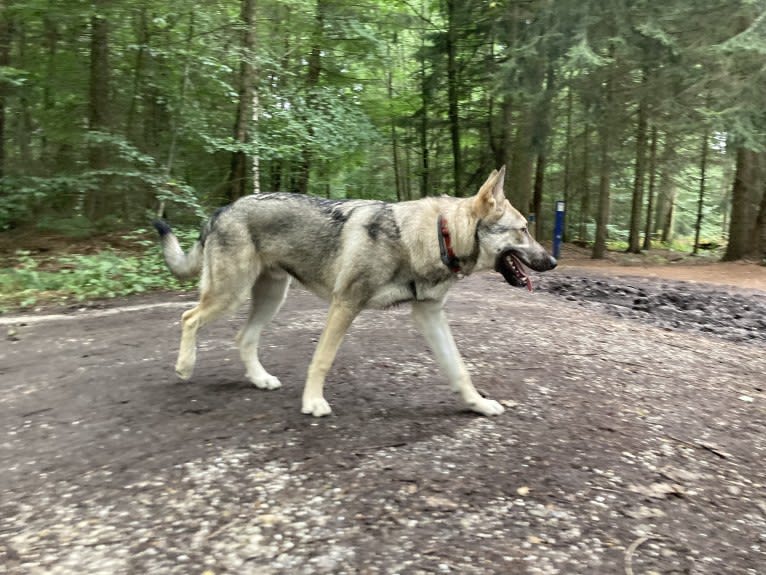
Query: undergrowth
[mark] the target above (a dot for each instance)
(33, 280)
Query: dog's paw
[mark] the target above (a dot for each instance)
(265, 381)
(486, 406)
(184, 371)
(316, 406)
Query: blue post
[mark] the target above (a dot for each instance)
(558, 230)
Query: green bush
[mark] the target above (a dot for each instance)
(107, 274)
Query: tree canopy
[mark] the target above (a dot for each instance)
(647, 118)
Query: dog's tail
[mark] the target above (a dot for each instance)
(182, 265)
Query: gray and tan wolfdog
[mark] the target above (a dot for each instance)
(356, 254)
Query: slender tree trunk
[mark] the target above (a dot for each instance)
(652, 181)
(50, 41)
(666, 189)
(602, 218)
(280, 167)
(425, 175)
(392, 127)
(568, 163)
(493, 139)
(256, 159)
(97, 200)
(452, 99)
(542, 131)
(582, 232)
(522, 165)
(5, 60)
(701, 198)
(669, 216)
(634, 239)
(537, 193)
(504, 153)
(172, 148)
(138, 69)
(237, 181)
(312, 81)
(24, 126)
(408, 164)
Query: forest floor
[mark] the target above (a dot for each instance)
(634, 439)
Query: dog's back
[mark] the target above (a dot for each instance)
(354, 247)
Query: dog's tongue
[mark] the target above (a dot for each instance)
(523, 271)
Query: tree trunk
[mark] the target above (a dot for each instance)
(758, 250)
(425, 176)
(5, 60)
(542, 131)
(602, 217)
(312, 81)
(138, 69)
(237, 180)
(670, 212)
(537, 193)
(582, 232)
(652, 181)
(701, 199)
(522, 165)
(666, 192)
(739, 222)
(452, 99)
(256, 159)
(567, 162)
(407, 178)
(97, 200)
(50, 41)
(634, 239)
(24, 126)
(392, 127)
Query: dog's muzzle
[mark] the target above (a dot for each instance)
(515, 269)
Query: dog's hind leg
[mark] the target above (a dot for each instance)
(432, 322)
(339, 319)
(267, 296)
(226, 276)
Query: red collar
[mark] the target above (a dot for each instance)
(448, 256)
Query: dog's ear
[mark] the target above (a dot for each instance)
(491, 197)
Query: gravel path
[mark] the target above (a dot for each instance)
(634, 438)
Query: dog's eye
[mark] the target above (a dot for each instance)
(524, 230)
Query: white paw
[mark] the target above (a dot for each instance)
(184, 371)
(486, 406)
(316, 406)
(265, 381)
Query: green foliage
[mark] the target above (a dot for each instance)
(77, 277)
(357, 98)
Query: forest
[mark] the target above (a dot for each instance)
(647, 118)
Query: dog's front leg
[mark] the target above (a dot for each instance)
(432, 322)
(339, 319)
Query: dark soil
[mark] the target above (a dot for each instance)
(627, 446)
(730, 313)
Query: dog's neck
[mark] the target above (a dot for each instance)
(446, 252)
(452, 244)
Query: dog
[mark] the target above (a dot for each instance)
(357, 254)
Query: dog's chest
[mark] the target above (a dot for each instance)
(395, 293)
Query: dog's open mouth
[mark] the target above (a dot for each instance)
(513, 270)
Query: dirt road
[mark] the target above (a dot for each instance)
(628, 445)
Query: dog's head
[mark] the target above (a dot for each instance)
(504, 240)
